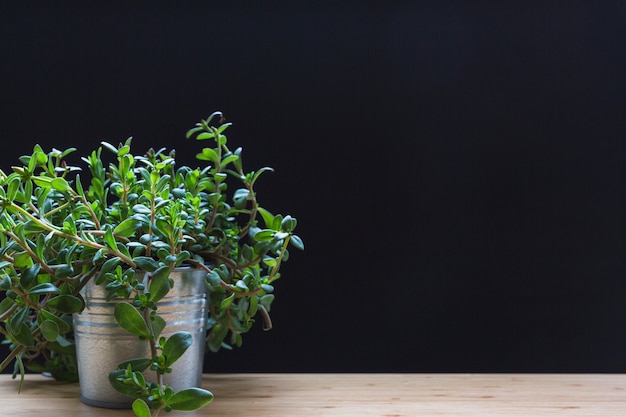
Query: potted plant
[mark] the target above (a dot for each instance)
(123, 234)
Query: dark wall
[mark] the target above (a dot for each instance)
(457, 170)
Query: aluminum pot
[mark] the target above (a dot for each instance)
(101, 344)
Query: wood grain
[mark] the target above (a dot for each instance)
(358, 395)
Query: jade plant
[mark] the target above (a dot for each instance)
(62, 227)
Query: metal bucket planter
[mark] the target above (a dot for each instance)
(101, 344)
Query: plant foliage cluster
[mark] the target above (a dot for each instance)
(140, 213)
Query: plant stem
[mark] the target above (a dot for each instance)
(280, 258)
(9, 358)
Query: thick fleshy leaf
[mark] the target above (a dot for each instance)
(288, 224)
(193, 131)
(297, 242)
(241, 194)
(190, 399)
(66, 303)
(64, 271)
(226, 302)
(175, 346)
(131, 320)
(139, 365)
(264, 235)
(141, 209)
(14, 184)
(216, 337)
(5, 305)
(208, 154)
(22, 335)
(205, 135)
(266, 301)
(63, 326)
(160, 284)
(140, 408)
(60, 184)
(158, 324)
(29, 275)
(108, 266)
(45, 288)
(22, 260)
(50, 330)
(127, 228)
(214, 278)
(146, 263)
(110, 239)
(114, 380)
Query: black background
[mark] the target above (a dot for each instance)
(457, 168)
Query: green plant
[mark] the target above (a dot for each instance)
(141, 212)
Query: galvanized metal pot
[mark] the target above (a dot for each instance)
(101, 344)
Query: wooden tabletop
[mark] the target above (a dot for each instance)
(357, 395)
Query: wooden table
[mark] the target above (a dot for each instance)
(357, 395)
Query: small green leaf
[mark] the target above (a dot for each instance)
(256, 175)
(69, 226)
(241, 194)
(19, 330)
(66, 303)
(141, 209)
(131, 320)
(266, 301)
(23, 336)
(123, 150)
(79, 186)
(193, 131)
(216, 337)
(226, 302)
(50, 330)
(139, 364)
(12, 188)
(160, 284)
(158, 324)
(190, 399)
(127, 227)
(288, 224)
(254, 306)
(41, 181)
(63, 271)
(182, 256)
(5, 283)
(208, 154)
(175, 346)
(29, 275)
(281, 235)
(22, 260)
(140, 408)
(297, 242)
(228, 159)
(223, 127)
(269, 261)
(205, 135)
(242, 285)
(110, 239)
(45, 288)
(63, 326)
(146, 263)
(115, 381)
(60, 184)
(5, 305)
(108, 266)
(264, 235)
(164, 227)
(214, 278)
